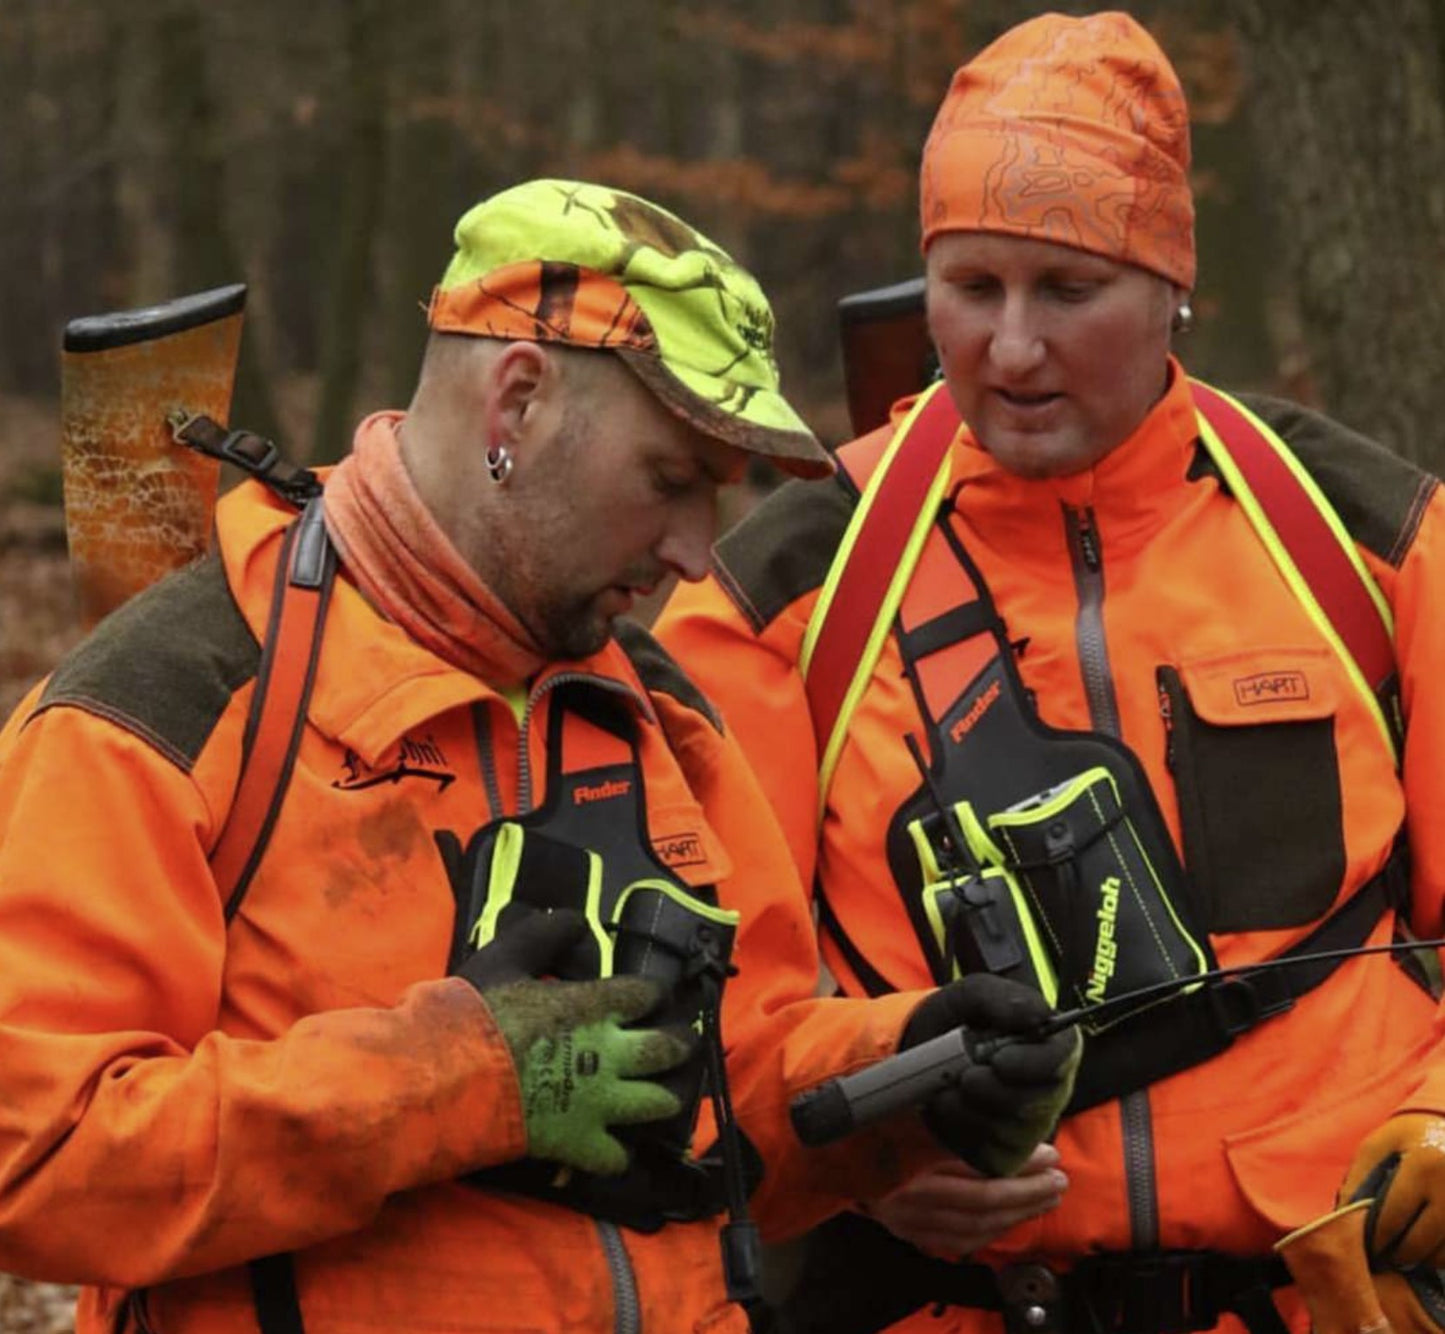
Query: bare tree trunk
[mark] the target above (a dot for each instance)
(205, 250)
(26, 357)
(1346, 106)
(364, 171)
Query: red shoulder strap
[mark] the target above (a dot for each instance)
(1311, 542)
(876, 551)
(304, 576)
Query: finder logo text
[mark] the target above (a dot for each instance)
(584, 793)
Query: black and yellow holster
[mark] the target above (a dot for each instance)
(587, 849)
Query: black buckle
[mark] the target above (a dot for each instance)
(252, 453)
(1238, 1003)
(240, 448)
(1164, 1293)
(1031, 1299)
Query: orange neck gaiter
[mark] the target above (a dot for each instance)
(407, 567)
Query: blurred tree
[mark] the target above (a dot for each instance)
(1347, 103)
(348, 256)
(194, 194)
(27, 123)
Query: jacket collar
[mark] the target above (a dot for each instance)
(373, 682)
(1133, 490)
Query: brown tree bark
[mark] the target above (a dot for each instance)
(1347, 104)
(349, 288)
(206, 254)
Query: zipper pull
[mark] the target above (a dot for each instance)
(1089, 540)
(1166, 712)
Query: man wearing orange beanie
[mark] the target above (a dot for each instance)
(1085, 674)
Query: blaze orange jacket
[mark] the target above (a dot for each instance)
(1233, 1153)
(180, 1098)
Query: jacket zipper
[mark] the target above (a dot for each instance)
(1086, 554)
(487, 759)
(627, 1309)
(524, 767)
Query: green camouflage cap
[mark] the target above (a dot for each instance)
(585, 265)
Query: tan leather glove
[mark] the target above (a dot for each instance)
(1401, 1166)
(1327, 1261)
(1413, 1301)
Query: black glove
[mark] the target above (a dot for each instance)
(1009, 1100)
(533, 947)
(582, 1067)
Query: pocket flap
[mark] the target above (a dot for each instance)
(1290, 1169)
(1263, 686)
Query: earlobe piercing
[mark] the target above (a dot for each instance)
(1183, 320)
(499, 463)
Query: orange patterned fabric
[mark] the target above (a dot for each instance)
(544, 302)
(408, 568)
(1070, 130)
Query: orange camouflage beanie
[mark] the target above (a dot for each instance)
(1071, 130)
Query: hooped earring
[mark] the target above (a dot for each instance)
(499, 462)
(1183, 320)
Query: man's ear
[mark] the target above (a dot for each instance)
(524, 380)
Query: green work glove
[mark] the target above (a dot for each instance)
(580, 1068)
(1009, 1101)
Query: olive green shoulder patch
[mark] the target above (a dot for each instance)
(660, 672)
(165, 664)
(1379, 496)
(784, 548)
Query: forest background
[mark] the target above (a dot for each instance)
(322, 153)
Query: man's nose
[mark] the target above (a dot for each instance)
(686, 546)
(1017, 345)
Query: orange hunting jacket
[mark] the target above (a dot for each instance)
(1233, 1153)
(180, 1098)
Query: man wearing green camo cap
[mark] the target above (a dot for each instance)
(622, 274)
(451, 1058)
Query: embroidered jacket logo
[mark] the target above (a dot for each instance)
(584, 793)
(1271, 687)
(414, 759)
(1106, 950)
(676, 850)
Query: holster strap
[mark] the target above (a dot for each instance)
(1197, 1025)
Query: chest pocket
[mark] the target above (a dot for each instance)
(1252, 750)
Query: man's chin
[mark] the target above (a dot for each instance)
(580, 636)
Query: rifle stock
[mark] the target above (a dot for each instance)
(887, 353)
(137, 504)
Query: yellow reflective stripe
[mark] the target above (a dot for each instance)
(1043, 965)
(932, 888)
(1298, 585)
(501, 880)
(889, 606)
(593, 912)
(1326, 510)
(710, 911)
